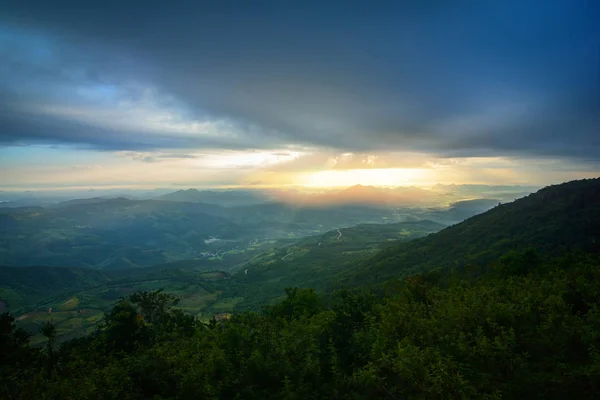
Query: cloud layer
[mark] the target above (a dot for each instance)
(474, 79)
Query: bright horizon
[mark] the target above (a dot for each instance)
(54, 169)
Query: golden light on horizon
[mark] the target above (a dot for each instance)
(372, 177)
(246, 159)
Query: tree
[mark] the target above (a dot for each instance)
(124, 327)
(18, 361)
(159, 317)
(155, 307)
(12, 339)
(49, 331)
(298, 302)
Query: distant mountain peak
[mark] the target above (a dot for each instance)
(188, 191)
(362, 188)
(219, 197)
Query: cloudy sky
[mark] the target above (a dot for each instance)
(268, 93)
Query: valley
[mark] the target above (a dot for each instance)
(69, 262)
(243, 258)
(235, 280)
(246, 273)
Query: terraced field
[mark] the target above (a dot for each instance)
(79, 313)
(219, 286)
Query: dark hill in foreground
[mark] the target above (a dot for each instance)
(554, 219)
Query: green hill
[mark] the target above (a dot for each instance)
(25, 286)
(111, 233)
(316, 260)
(554, 219)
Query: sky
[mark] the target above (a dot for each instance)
(283, 93)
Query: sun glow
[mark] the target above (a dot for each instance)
(247, 159)
(373, 177)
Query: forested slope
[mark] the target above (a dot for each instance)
(554, 219)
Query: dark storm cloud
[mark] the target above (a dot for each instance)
(467, 79)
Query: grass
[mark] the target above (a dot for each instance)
(76, 314)
(10, 296)
(215, 275)
(227, 304)
(72, 324)
(94, 319)
(70, 304)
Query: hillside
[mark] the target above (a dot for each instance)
(503, 336)
(25, 286)
(78, 309)
(111, 233)
(565, 216)
(116, 233)
(88, 201)
(314, 261)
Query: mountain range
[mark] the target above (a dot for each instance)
(555, 220)
(124, 233)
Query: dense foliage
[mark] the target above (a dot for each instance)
(528, 328)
